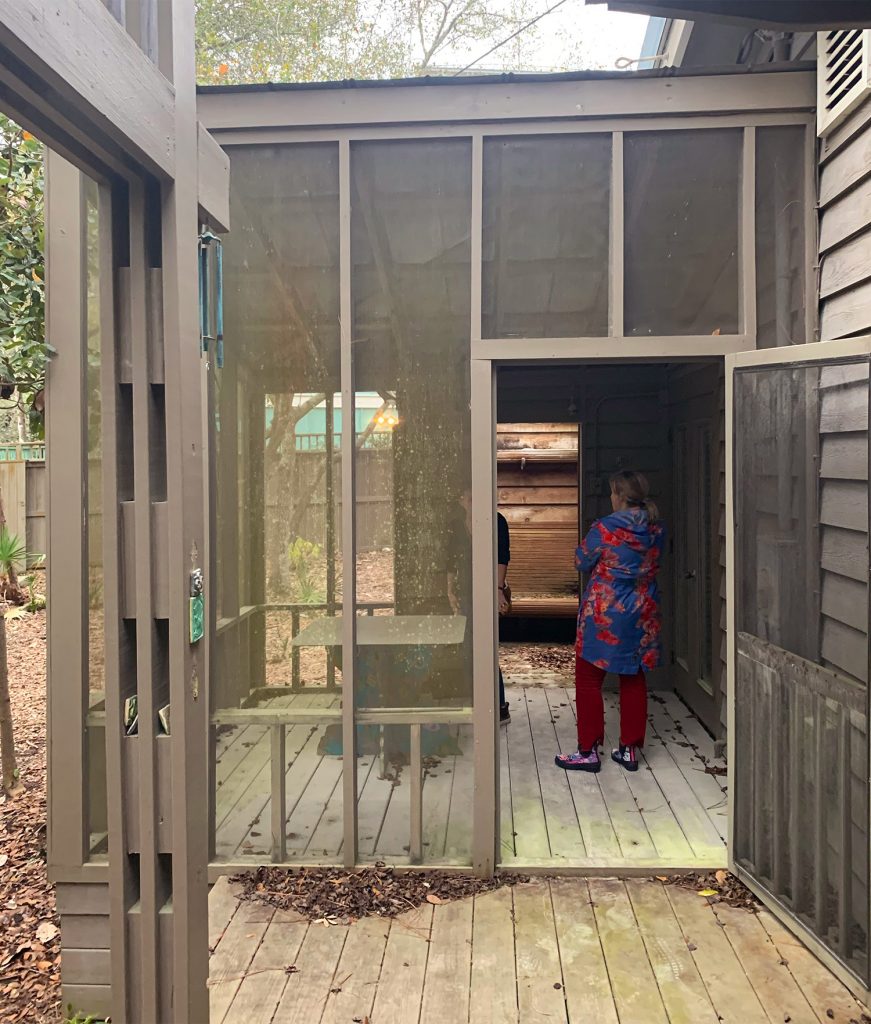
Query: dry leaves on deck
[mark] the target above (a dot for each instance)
(717, 887)
(336, 896)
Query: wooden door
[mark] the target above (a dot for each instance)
(798, 598)
(695, 436)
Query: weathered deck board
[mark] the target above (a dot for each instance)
(769, 975)
(587, 985)
(358, 972)
(450, 960)
(633, 985)
(403, 971)
(613, 819)
(596, 826)
(531, 839)
(563, 828)
(233, 956)
(539, 975)
(493, 987)
(727, 984)
(822, 989)
(681, 988)
(260, 992)
(663, 827)
(308, 988)
(562, 950)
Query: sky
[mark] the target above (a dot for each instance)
(573, 37)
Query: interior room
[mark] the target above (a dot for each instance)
(665, 420)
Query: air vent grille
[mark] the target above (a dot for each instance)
(844, 74)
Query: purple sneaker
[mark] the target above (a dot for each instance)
(626, 757)
(579, 761)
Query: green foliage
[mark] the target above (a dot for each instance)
(23, 350)
(304, 556)
(35, 601)
(13, 554)
(75, 1017)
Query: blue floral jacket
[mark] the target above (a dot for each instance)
(619, 620)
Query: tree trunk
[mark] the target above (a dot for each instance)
(11, 785)
(21, 417)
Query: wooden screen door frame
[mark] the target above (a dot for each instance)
(797, 355)
(693, 566)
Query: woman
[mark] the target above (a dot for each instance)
(618, 622)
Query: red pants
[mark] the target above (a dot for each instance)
(591, 708)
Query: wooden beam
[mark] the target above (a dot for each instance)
(617, 95)
(97, 80)
(213, 175)
(66, 321)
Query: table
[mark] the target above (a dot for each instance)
(386, 631)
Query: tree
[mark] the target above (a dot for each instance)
(312, 40)
(23, 351)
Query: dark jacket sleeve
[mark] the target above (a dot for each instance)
(504, 540)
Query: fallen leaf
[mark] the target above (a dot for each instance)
(721, 877)
(46, 932)
(662, 878)
(708, 892)
(432, 898)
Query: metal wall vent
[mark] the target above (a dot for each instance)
(844, 74)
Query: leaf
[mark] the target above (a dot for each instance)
(708, 892)
(721, 877)
(432, 898)
(46, 932)
(3, 858)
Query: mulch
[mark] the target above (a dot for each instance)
(525, 657)
(29, 937)
(337, 896)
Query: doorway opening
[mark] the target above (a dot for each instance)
(561, 432)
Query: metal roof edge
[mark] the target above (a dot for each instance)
(508, 78)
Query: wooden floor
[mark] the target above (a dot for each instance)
(671, 815)
(564, 951)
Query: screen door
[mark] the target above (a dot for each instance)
(799, 638)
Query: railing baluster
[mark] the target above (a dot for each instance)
(294, 651)
(416, 845)
(845, 889)
(279, 796)
(821, 872)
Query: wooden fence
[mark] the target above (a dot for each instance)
(23, 486)
(374, 500)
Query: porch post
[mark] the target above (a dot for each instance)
(485, 822)
(186, 498)
(348, 524)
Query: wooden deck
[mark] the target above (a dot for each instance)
(671, 815)
(565, 951)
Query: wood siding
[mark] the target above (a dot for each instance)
(85, 945)
(845, 229)
(843, 488)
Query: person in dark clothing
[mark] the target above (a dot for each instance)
(503, 558)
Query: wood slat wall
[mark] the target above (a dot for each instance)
(85, 944)
(845, 228)
(537, 492)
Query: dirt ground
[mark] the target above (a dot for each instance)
(29, 937)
